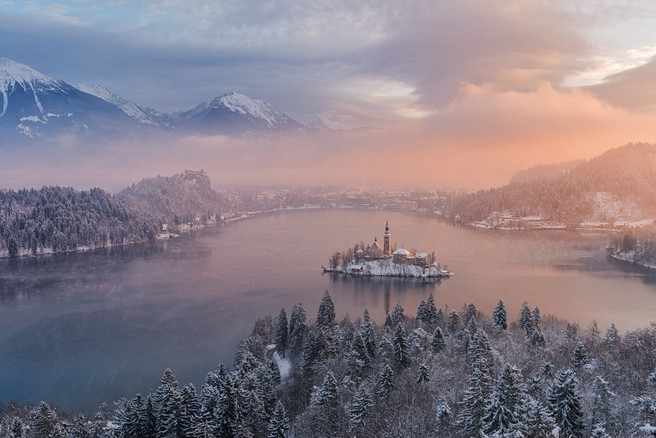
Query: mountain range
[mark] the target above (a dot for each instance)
(35, 106)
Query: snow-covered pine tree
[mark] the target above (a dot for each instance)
(546, 369)
(651, 378)
(266, 389)
(226, 411)
(438, 343)
(471, 316)
(601, 411)
(361, 405)
(504, 412)
(525, 321)
(453, 324)
(123, 417)
(282, 333)
(471, 326)
(537, 339)
(358, 360)
(479, 348)
(252, 410)
(297, 329)
(330, 343)
(401, 351)
(537, 318)
(386, 348)
(328, 392)
(273, 372)
(565, 404)
(204, 425)
(326, 313)
(169, 400)
(427, 313)
(599, 432)
(397, 315)
(444, 419)
(78, 429)
(440, 319)
(131, 418)
(329, 412)
(538, 422)
(42, 421)
(150, 416)
(344, 332)
(580, 355)
(312, 351)
(16, 429)
(368, 332)
(209, 397)
(245, 362)
(189, 410)
(500, 317)
(612, 337)
(418, 342)
(385, 382)
(475, 400)
(421, 312)
(462, 341)
(278, 426)
(431, 312)
(423, 374)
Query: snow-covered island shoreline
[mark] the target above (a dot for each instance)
(636, 247)
(388, 268)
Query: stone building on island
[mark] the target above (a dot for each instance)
(400, 255)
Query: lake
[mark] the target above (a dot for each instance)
(79, 329)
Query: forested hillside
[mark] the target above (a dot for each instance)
(444, 373)
(178, 199)
(59, 219)
(617, 185)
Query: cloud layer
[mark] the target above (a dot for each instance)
(457, 94)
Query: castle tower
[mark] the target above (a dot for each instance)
(387, 245)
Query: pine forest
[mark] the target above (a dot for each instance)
(441, 373)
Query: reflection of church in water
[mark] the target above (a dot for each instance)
(376, 252)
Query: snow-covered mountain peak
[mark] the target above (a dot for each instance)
(12, 72)
(15, 76)
(239, 103)
(130, 108)
(99, 91)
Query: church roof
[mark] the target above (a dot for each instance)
(402, 251)
(376, 245)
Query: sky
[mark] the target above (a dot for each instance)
(428, 93)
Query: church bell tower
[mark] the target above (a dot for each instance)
(387, 246)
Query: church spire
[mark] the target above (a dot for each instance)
(387, 246)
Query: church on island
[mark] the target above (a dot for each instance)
(384, 261)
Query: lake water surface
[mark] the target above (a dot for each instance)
(78, 329)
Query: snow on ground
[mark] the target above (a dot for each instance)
(387, 268)
(284, 365)
(635, 224)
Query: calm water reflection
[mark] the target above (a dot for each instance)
(78, 329)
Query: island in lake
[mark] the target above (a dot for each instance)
(384, 261)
